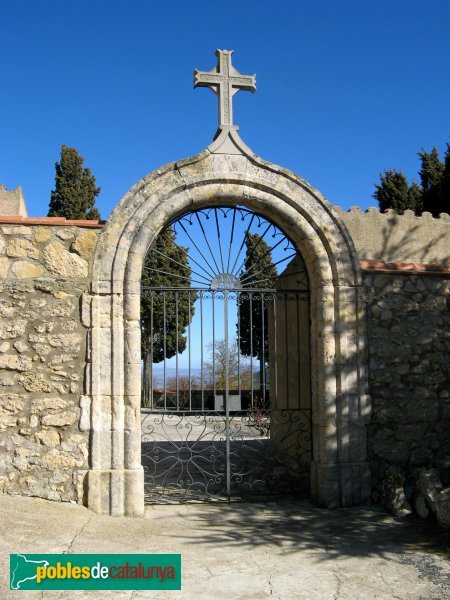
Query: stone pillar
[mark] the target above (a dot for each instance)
(115, 481)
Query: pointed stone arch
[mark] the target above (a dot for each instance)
(231, 175)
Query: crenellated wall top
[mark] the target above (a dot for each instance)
(390, 237)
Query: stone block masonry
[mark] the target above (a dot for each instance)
(46, 409)
(45, 268)
(408, 329)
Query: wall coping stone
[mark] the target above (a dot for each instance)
(389, 213)
(404, 268)
(16, 220)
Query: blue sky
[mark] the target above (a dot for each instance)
(345, 89)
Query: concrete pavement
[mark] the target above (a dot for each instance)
(288, 550)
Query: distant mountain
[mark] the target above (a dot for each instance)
(171, 372)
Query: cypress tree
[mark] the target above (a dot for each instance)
(415, 198)
(445, 190)
(432, 177)
(394, 192)
(75, 190)
(165, 266)
(259, 272)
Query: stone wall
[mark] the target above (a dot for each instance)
(12, 202)
(408, 328)
(44, 270)
(46, 267)
(390, 237)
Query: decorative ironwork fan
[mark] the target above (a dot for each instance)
(226, 248)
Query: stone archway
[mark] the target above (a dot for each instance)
(226, 173)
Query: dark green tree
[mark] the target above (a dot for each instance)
(415, 198)
(259, 272)
(446, 181)
(164, 316)
(75, 190)
(433, 195)
(394, 192)
(432, 177)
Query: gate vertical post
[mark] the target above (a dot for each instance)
(227, 392)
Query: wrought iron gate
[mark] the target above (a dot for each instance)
(226, 410)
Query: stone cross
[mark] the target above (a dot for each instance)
(224, 81)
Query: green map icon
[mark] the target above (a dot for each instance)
(22, 569)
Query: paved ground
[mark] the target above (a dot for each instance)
(288, 551)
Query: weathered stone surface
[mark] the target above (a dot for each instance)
(42, 234)
(41, 349)
(60, 460)
(23, 269)
(35, 382)
(429, 484)
(13, 362)
(21, 248)
(59, 419)
(48, 437)
(65, 307)
(44, 328)
(4, 266)
(7, 378)
(12, 329)
(44, 404)
(392, 237)
(408, 371)
(39, 322)
(85, 244)
(443, 508)
(7, 421)
(65, 233)
(20, 346)
(61, 262)
(12, 403)
(17, 230)
(69, 341)
(393, 493)
(420, 506)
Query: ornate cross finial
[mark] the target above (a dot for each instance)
(224, 81)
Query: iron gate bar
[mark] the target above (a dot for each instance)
(227, 393)
(251, 351)
(201, 351)
(262, 366)
(176, 262)
(164, 235)
(286, 345)
(257, 244)
(230, 459)
(242, 244)
(165, 348)
(207, 241)
(275, 349)
(189, 350)
(218, 237)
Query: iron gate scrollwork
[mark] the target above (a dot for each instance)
(228, 416)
